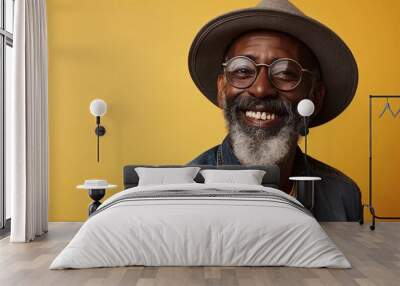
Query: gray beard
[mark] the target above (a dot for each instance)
(254, 146)
(263, 151)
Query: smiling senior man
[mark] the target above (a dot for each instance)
(256, 64)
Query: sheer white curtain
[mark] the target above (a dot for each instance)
(26, 123)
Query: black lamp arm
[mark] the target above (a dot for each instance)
(305, 146)
(100, 131)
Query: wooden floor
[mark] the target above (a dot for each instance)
(375, 256)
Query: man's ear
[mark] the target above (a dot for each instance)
(220, 94)
(319, 95)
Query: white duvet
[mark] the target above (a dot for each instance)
(200, 231)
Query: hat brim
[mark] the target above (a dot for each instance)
(337, 63)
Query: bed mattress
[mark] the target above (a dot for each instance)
(201, 225)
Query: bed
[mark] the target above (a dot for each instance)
(201, 224)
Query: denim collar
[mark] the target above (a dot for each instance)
(227, 157)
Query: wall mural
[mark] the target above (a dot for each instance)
(257, 69)
(190, 87)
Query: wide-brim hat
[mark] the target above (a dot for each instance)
(337, 63)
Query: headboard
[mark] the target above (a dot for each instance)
(270, 179)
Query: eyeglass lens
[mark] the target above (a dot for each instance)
(283, 74)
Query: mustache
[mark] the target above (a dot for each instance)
(235, 106)
(277, 106)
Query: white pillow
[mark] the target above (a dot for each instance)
(248, 177)
(160, 176)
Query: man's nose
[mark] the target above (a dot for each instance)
(262, 86)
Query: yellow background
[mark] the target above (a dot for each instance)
(133, 54)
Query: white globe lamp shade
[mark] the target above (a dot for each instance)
(98, 107)
(305, 107)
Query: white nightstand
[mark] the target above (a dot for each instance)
(304, 190)
(97, 190)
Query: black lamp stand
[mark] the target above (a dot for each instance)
(305, 189)
(100, 131)
(305, 121)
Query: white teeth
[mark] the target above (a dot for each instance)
(260, 115)
(263, 116)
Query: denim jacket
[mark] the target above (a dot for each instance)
(337, 197)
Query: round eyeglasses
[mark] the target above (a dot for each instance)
(285, 74)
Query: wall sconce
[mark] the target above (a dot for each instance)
(305, 108)
(98, 108)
